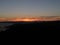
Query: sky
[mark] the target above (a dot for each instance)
(29, 8)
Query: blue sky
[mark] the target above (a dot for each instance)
(29, 8)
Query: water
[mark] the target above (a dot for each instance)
(3, 26)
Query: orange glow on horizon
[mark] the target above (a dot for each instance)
(27, 20)
(31, 19)
(24, 19)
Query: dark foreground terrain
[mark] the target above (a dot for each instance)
(50, 26)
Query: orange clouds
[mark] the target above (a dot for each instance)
(3, 19)
(31, 19)
(23, 19)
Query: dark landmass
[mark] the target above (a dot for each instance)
(39, 26)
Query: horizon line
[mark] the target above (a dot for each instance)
(46, 18)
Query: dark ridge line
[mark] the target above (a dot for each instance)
(48, 26)
(27, 21)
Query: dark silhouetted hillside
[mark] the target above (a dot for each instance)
(51, 26)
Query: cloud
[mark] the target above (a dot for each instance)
(3, 19)
(52, 18)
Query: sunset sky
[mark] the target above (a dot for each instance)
(29, 8)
